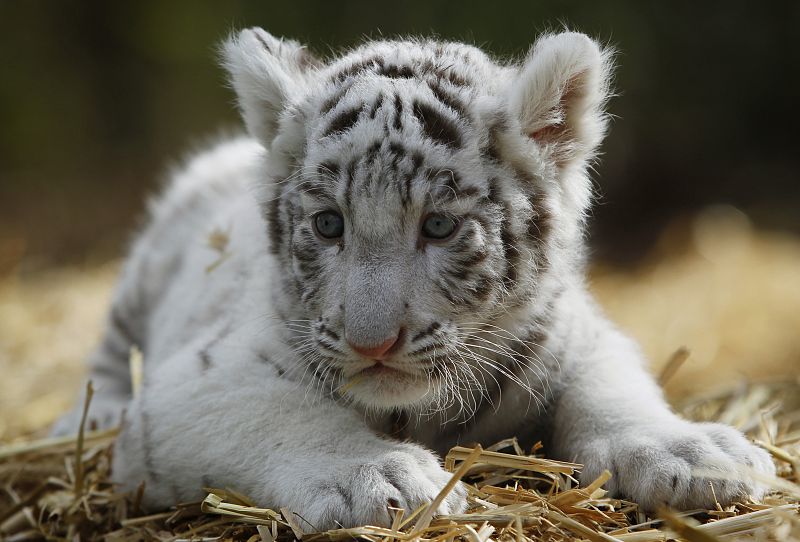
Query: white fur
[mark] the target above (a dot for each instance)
(264, 82)
(228, 399)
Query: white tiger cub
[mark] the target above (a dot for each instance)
(403, 272)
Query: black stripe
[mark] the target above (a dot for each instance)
(371, 63)
(510, 251)
(397, 148)
(398, 152)
(345, 495)
(460, 273)
(447, 99)
(120, 352)
(147, 449)
(378, 66)
(372, 152)
(453, 187)
(484, 286)
(264, 359)
(205, 352)
(307, 235)
(298, 286)
(119, 324)
(349, 177)
(306, 253)
(496, 126)
(308, 268)
(376, 106)
(445, 288)
(329, 169)
(398, 112)
(455, 78)
(436, 126)
(394, 71)
(427, 348)
(477, 257)
(430, 330)
(334, 100)
(315, 188)
(328, 346)
(492, 149)
(465, 239)
(444, 73)
(329, 332)
(539, 228)
(491, 187)
(290, 214)
(344, 121)
(416, 163)
(453, 182)
(540, 223)
(274, 226)
(309, 293)
(205, 359)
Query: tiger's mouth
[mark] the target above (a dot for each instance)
(378, 369)
(384, 384)
(381, 368)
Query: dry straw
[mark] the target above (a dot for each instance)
(60, 489)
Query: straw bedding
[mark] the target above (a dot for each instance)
(515, 495)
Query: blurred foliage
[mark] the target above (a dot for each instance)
(97, 97)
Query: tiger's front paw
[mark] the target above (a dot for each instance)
(362, 492)
(665, 466)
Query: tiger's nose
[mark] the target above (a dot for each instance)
(381, 351)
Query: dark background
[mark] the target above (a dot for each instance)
(97, 98)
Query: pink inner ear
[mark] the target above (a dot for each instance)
(555, 132)
(547, 134)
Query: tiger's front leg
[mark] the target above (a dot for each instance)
(240, 424)
(612, 416)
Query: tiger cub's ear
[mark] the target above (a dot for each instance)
(559, 95)
(265, 71)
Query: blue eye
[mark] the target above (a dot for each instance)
(329, 224)
(438, 226)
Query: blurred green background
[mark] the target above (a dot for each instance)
(97, 98)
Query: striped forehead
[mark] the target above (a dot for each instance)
(399, 115)
(405, 85)
(371, 107)
(391, 172)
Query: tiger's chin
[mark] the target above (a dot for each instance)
(381, 387)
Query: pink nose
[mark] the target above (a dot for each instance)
(376, 352)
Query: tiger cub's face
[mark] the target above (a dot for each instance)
(418, 193)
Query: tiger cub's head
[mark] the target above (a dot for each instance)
(422, 199)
